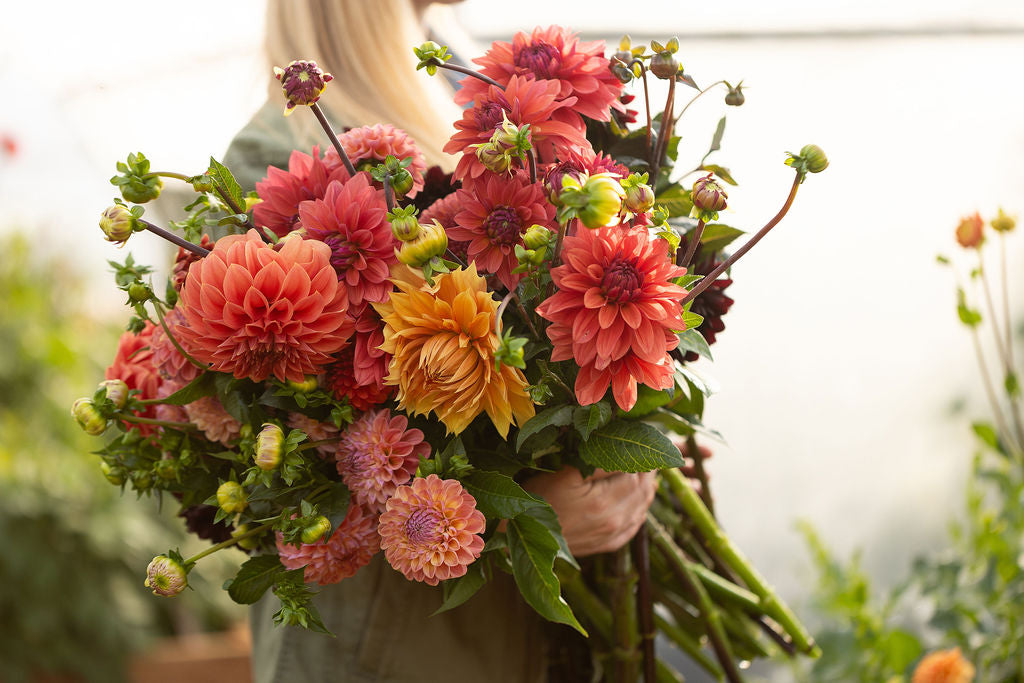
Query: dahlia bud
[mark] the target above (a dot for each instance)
(269, 447)
(639, 196)
(1003, 222)
(231, 497)
(316, 530)
(138, 293)
(735, 96)
(307, 385)
(401, 182)
(554, 175)
(815, 158)
(117, 391)
(512, 139)
(537, 236)
(970, 232)
(404, 224)
(708, 198)
(619, 66)
(303, 82)
(166, 576)
(117, 223)
(493, 157)
(249, 542)
(596, 202)
(664, 63)
(166, 468)
(88, 418)
(430, 55)
(431, 241)
(115, 475)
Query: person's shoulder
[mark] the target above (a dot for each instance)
(266, 140)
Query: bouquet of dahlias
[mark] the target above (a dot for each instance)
(377, 355)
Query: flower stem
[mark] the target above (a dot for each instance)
(1006, 299)
(325, 124)
(526, 317)
(167, 174)
(664, 133)
(644, 601)
(626, 636)
(647, 102)
(710, 278)
(694, 242)
(1005, 351)
(533, 165)
(174, 239)
(696, 97)
(315, 444)
(389, 193)
(469, 72)
(702, 476)
(501, 311)
(160, 316)
(190, 562)
(158, 423)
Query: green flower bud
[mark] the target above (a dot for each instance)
(269, 447)
(537, 236)
(166, 576)
(141, 191)
(138, 293)
(316, 530)
(117, 223)
(815, 158)
(305, 386)
(404, 224)
(596, 201)
(117, 391)
(231, 497)
(493, 157)
(708, 197)
(167, 468)
(401, 182)
(303, 82)
(88, 418)
(639, 198)
(1003, 222)
(142, 480)
(115, 475)
(249, 542)
(431, 241)
(619, 66)
(735, 97)
(664, 65)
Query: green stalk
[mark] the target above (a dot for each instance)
(644, 601)
(226, 544)
(687, 644)
(158, 423)
(160, 316)
(622, 583)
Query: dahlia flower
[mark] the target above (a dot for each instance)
(970, 233)
(577, 164)
(351, 219)
(580, 69)
(133, 364)
(944, 666)
(315, 430)
(340, 379)
(350, 547)
(282, 191)
(494, 216)
(255, 311)
(372, 144)
(442, 340)
(184, 259)
(711, 304)
(555, 129)
(431, 530)
(167, 359)
(216, 423)
(376, 455)
(615, 312)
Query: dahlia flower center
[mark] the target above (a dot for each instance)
(621, 281)
(343, 253)
(423, 526)
(538, 58)
(490, 115)
(503, 226)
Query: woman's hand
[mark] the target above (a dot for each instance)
(598, 514)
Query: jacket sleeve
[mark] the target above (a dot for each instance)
(266, 140)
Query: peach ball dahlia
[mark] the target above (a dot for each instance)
(351, 547)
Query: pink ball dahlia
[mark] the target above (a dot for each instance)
(351, 220)
(133, 364)
(255, 310)
(431, 530)
(315, 431)
(216, 423)
(352, 545)
(282, 191)
(372, 144)
(494, 216)
(377, 454)
(615, 312)
(167, 359)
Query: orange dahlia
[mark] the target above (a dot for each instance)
(352, 545)
(442, 341)
(167, 359)
(431, 530)
(377, 454)
(494, 216)
(254, 310)
(133, 364)
(944, 666)
(351, 219)
(370, 145)
(282, 191)
(615, 312)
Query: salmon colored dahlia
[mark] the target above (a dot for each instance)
(370, 145)
(442, 341)
(167, 359)
(282, 191)
(615, 312)
(315, 431)
(431, 530)
(351, 219)
(580, 69)
(216, 423)
(254, 310)
(377, 454)
(944, 666)
(494, 216)
(133, 364)
(352, 545)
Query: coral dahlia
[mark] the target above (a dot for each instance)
(370, 145)
(431, 530)
(282, 191)
(615, 312)
(133, 364)
(944, 666)
(255, 311)
(351, 219)
(494, 216)
(216, 423)
(442, 341)
(167, 359)
(352, 545)
(315, 430)
(377, 454)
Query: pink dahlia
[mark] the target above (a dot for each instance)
(580, 69)
(315, 430)
(255, 310)
(349, 548)
(216, 423)
(133, 364)
(443, 211)
(370, 145)
(377, 454)
(494, 216)
(351, 219)
(167, 359)
(431, 530)
(282, 191)
(166, 411)
(615, 312)
(554, 128)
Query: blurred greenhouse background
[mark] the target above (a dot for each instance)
(846, 384)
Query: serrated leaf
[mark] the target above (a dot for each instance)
(558, 416)
(627, 446)
(718, 236)
(588, 418)
(533, 549)
(254, 578)
(720, 171)
(498, 496)
(201, 386)
(226, 182)
(458, 591)
(692, 340)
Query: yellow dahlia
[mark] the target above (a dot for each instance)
(442, 342)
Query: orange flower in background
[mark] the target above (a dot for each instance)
(351, 547)
(944, 666)
(255, 311)
(133, 364)
(442, 341)
(615, 312)
(431, 530)
(970, 232)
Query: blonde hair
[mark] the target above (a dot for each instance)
(367, 46)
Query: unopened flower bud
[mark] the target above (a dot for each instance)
(537, 236)
(735, 96)
(431, 241)
(596, 202)
(166, 576)
(88, 418)
(316, 530)
(114, 474)
(249, 542)
(305, 386)
(619, 66)
(405, 227)
(1003, 222)
(269, 447)
(815, 158)
(493, 157)
(138, 293)
(303, 82)
(231, 497)
(117, 391)
(167, 468)
(664, 65)
(639, 198)
(708, 196)
(970, 232)
(401, 182)
(117, 223)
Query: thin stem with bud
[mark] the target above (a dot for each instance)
(696, 97)
(1003, 350)
(325, 124)
(160, 316)
(190, 562)
(173, 239)
(691, 247)
(468, 72)
(665, 132)
(185, 426)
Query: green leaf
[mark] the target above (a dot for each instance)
(718, 236)
(201, 386)
(533, 548)
(334, 506)
(458, 591)
(626, 446)
(226, 183)
(900, 649)
(545, 514)
(968, 316)
(588, 418)
(692, 340)
(498, 496)
(692, 320)
(716, 141)
(720, 171)
(987, 434)
(557, 416)
(676, 200)
(647, 401)
(254, 578)
(1011, 385)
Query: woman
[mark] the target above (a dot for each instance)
(382, 621)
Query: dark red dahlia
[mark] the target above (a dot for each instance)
(712, 303)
